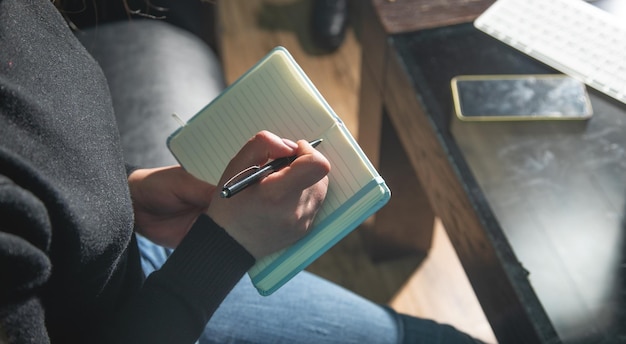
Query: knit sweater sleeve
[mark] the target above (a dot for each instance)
(67, 259)
(173, 306)
(24, 264)
(177, 301)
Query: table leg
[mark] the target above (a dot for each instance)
(405, 225)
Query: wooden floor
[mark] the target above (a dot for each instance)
(435, 287)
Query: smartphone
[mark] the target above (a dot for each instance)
(520, 97)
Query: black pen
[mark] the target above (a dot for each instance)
(260, 173)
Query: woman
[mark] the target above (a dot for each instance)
(70, 260)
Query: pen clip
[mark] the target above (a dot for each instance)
(235, 178)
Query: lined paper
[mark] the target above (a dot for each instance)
(275, 95)
(271, 98)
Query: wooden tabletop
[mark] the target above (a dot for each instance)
(397, 16)
(550, 199)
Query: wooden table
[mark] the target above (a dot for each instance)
(534, 211)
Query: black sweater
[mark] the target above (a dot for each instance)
(69, 264)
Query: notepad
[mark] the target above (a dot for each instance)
(276, 95)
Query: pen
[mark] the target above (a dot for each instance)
(261, 172)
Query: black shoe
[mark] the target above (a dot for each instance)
(329, 20)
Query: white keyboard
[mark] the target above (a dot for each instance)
(571, 36)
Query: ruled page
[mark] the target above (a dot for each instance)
(274, 95)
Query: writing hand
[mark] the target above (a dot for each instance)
(278, 210)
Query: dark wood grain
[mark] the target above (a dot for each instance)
(535, 210)
(487, 269)
(398, 16)
(388, 236)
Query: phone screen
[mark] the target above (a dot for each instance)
(520, 96)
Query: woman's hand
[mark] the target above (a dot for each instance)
(278, 210)
(167, 201)
(263, 218)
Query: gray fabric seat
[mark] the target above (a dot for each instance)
(153, 69)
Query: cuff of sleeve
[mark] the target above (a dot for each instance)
(206, 265)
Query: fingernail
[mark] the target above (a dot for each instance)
(290, 143)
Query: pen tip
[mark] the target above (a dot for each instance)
(224, 194)
(316, 142)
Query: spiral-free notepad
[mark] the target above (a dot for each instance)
(276, 95)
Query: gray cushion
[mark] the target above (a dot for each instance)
(153, 69)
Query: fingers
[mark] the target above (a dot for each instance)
(308, 169)
(192, 190)
(259, 149)
(278, 210)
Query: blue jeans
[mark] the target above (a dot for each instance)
(308, 309)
